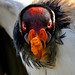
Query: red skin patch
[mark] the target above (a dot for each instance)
(35, 10)
(23, 26)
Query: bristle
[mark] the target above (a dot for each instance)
(64, 11)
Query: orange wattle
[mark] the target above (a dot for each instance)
(36, 45)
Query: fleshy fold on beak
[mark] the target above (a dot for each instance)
(35, 39)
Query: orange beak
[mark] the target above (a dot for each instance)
(36, 45)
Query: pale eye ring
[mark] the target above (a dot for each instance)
(23, 26)
(49, 24)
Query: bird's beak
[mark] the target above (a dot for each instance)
(37, 47)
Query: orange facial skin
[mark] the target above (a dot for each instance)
(36, 45)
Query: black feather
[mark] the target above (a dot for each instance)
(59, 14)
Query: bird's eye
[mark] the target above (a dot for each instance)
(49, 24)
(23, 26)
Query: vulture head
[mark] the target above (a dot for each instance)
(37, 33)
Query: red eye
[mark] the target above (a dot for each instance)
(23, 26)
(49, 24)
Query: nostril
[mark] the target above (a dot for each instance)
(42, 43)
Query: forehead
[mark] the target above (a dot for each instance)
(37, 11)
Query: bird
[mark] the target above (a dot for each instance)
(43, 38)
(38, 38)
